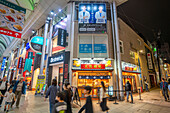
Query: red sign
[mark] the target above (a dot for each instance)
(92, 66)
(129, 68)
(10, 33)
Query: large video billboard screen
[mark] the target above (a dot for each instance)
(92, 18)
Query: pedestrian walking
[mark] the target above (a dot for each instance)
(60, 106)
(19, 89)
(103, 99)
(68, 96)
(10, 96)
(169, 84)
(52, 92)
(128, 89)
(147, 86)
(3, 88)
(88, 107)
(164, 88)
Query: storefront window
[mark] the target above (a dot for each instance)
(93, 46)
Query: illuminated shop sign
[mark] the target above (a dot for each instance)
(56, 59)
(92, 18)
(129, 67)
(62, 37)
(20, 63)
(92, 64)
(149, 58)
(94, 77)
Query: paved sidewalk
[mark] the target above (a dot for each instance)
(151, 102)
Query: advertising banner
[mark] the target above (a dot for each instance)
(149, 57)
(100, 48)
(66, 66)
(28, 64)
(92, 66)
(92, 18)
(85, 48)
(37, 62)
(40, 84)
(11, 19)
(62, 34)
(3, 64)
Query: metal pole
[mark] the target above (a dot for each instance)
(44, 45)
(114, 46)
(118, 50)
(49, 48)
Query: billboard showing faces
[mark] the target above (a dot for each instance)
(92, 18)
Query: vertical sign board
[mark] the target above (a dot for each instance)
(92, 18)
(66, 66)
(3, 64)
(11, 19)
(150, 64)
(62, 37)
(20, 63)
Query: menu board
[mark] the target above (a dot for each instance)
(11, 19)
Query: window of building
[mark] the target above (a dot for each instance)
(139, 41)
(93, 46)
(132, 54)
(121, 47)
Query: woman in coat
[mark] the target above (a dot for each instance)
(103, 98)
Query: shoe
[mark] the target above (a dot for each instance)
(165, 100)
(4, 109)
(7, 111)
(127, 100)
(131, 102)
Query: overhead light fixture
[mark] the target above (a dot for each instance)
(33, 31)
(52, 12)
(59, 10)
(55, 14)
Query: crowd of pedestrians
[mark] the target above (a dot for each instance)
(12, 92)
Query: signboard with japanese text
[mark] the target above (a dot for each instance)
(66, 66)
(11, 19)
(100, 48)
(149, 57)
(62, 34)
(92, 66)
(85, 48)
(20, 63)
(92, 18)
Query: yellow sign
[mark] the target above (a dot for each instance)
(40, 83)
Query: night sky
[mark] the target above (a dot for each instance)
(147, 17)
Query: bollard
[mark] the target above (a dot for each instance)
(139, 95)
(115, 98)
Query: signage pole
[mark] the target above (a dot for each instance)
(115, 56)
(44, 45)
(118, 49)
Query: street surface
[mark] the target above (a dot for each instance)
(151, 102)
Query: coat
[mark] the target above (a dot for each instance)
(23, 87)
(99, 17)
(86, 20)
(165, 84)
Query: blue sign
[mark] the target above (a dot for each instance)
(27, 46)
(38, 40)
(100, 48)
(3, 64)
(85, 48)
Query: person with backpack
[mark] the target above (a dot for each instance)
(128, 90)
(52, 93)
(3, 88)
(103, 98)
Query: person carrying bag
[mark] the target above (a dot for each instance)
(103, 99)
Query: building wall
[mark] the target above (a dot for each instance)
(133, 42)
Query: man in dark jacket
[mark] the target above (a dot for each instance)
(128, 90)
(164, 88)
(3, 88)
(88, 106)
(19, 89)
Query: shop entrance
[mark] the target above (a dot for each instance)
(93, 79)
(132, 80)
(152, 81)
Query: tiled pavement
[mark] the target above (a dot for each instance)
(151, 102)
